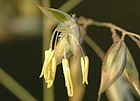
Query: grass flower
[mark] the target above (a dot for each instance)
(64, 43)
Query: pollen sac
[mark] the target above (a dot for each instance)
(51, 73)
(67, 75)
(84, 67)
(49, 67)
(55, 14)
(47, 53)
(131, 72)
(113, 65)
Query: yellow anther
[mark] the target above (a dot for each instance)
(47, 54)
(68, 81)
(52, 73)
(84, 67)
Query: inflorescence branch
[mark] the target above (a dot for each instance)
(135, 37)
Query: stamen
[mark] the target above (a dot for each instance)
(86, 68)
(47, 54)
(64, 67)
(67, 76)
(46, 73)
(49, 74)
(54, 65)
(51, 56)
(52, 73)
(52, 37)
(49, 67)
(70, 86)
(56, 39)
(83, 67)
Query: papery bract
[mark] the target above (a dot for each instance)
(131, 72)
(54, 14)
(120, 90)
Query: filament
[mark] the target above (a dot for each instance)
(52, 37)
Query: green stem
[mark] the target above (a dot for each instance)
(7, 81)
(69, 5)
(48, 94)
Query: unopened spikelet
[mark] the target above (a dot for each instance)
(113, 65)
(131, 73)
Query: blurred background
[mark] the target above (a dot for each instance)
(21, 42)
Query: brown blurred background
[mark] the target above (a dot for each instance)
(21, 42)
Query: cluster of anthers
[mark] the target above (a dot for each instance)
(66, 41)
